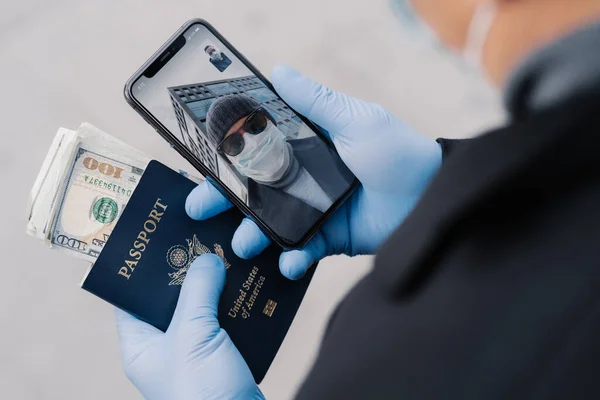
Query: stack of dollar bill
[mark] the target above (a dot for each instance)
(81, 190)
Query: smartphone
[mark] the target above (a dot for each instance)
(220, 113)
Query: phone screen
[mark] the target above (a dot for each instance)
(245, 135)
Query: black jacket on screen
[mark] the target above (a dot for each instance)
(288, 216)
(490, 289)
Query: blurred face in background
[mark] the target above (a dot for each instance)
(461, 26)
(467, 27)
(449, 19)
(495, 35)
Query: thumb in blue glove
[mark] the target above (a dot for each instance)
(195, 358)
(393, 162)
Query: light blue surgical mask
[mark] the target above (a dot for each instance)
(477, 34)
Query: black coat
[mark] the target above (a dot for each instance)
(491, 287)
(288, 216)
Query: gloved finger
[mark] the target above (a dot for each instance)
(205, 201)
(248, 240)
(294, 264)
(134, 335)
(331, 110)
(199, 296)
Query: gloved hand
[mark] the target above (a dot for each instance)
(393, 162)
(195, 358)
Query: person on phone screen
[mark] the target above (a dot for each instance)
(217, 58)
(291, 183)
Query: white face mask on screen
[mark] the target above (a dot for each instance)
(265, 157)
(477, 34)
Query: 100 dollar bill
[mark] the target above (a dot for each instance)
(82, 188)
(95, 194)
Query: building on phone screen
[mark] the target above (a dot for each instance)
(191, 104)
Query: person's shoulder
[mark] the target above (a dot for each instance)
(257, 190)
(309, 143)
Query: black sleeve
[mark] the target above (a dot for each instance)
(450, 145)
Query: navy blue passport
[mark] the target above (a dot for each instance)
(145, 260)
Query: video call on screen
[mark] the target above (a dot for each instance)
(209, 100)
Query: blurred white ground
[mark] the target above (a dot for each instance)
(65, 61)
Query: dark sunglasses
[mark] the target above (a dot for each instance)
(255, 124)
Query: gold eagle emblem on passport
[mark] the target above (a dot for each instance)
(180, 257)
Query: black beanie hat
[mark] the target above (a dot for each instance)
(225, 112)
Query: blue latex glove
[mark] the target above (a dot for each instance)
(195, 358)
(393, 162)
